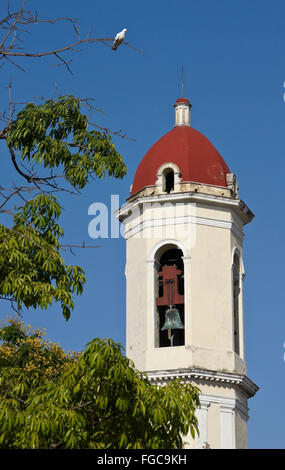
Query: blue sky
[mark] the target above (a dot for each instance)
(234, 74)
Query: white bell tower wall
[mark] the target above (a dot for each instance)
(208, 229)
(208, 237)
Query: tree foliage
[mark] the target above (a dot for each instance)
(23, 347)
(49, 399)
(56, 136)
(53, 147)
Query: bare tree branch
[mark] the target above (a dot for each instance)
(13, 24)
(13, 28)
(16, 191)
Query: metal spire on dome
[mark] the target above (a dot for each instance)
(182, 107)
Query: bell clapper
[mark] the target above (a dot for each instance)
(170, 337)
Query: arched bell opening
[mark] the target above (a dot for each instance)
(169, 297)
(236, 302)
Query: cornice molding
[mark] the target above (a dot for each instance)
(127, 209)
(148, 223)
(185, 375)
(236, 204)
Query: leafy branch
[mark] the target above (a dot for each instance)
(53, 147)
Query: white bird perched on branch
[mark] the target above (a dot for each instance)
(119, 39)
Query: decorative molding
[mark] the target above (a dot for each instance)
(165, 166)
(227, 407)
(202, 416)
(226, 403)
(168, 241)
(128, 208)
(188, 197)
(226, 415)
(148, 223)
(186, 375)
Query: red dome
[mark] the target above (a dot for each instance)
(196, 157)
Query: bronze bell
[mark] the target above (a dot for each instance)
(172, 320)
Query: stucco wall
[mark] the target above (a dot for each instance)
(208, 248)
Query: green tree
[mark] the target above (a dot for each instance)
(94, 400)
(56, 136)
(25, 348)
(53, 148)
(49, 399)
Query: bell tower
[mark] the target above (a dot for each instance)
(184, 272)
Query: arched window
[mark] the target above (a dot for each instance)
(168, 180)
(236, 301)
(169, 297)
(168, 176)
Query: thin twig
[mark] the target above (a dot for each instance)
(12, 24)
